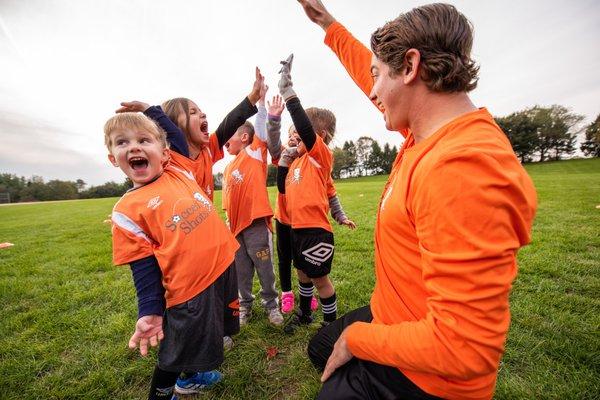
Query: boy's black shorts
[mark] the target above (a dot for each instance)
(194, 330)
(312, 249)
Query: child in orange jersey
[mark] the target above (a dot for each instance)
(183, 115)
(246, 202)
(306, 190)
(166, 226)
(282, 219)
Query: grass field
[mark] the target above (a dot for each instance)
(67, 313)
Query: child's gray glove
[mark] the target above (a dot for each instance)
(285, 81)
(288, 155)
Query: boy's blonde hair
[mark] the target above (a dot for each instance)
(322, 120)
(132, 120)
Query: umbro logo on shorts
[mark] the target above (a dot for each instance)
(319, 253)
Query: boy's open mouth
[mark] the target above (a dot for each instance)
(138, 163)
(204, 127)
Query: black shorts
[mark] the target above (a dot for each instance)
(312, 250)
(194, 330)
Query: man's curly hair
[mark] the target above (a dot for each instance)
(444, 38)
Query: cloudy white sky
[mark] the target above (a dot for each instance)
(66, 64)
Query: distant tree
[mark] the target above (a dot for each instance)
(375, 160)
(350, 160)
(389, 156)
(591, 145)
(271, 175)
(80, 184)
(363, 146)
(522, 132)
(61, 190)
(13, 185)
(109, 189)
(556, 131)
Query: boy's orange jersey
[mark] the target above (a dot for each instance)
(307, 186)
(455, 210)
(173, 219)
(245, 196)
(201, 167)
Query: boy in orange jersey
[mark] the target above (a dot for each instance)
(282, 219)
(166, 226)
(246, 202)
(455, 210)
(306, 189)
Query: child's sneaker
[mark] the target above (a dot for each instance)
(245, 315)
(287, 302)
(198, 382)
(314, 304)
(275, 316)
(296, 320)
(227, 343)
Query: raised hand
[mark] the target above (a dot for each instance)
(263, 93)
(317, 13)
(132, 106)
(148, 329)
(288, 155)
(285, 81)
(276, 107)
(259, 82)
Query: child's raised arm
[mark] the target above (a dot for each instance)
(274, 127)
(241, 112)
(175, 136)
(292, 102)
(260, 124)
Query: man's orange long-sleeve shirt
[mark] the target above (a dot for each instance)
(455, 210)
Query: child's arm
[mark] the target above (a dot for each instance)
(175, 136)
(274, 127)
(292, 102)
(260, 123)
(287, 156)
(147, 279)
(241, 112)
(338, 214)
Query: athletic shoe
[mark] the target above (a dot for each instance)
(245, 315)
(314, 304)
(296, 320)
(287, 302)
(227, 343)
(198, 382)
(275, 317)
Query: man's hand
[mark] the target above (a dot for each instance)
(349, 223)
(285, 81)
(317, 13)
(259, 82)
(276, 107)
(132, 106)
(339, 356)
(148, 329)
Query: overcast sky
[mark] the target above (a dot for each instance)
(66, 65)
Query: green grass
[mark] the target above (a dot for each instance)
(67, 313)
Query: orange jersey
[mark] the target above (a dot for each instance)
(307, 186)
(281, 213)
(456, 208)
(173, 219)
(201, 167)
(245, 196)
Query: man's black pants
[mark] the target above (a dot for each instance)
(358, 379)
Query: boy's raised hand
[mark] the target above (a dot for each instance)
(285, 81)
(132, 106)
(259, 82)
(276, 107)
(263, 93)
(148, 329)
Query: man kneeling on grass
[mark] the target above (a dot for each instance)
(455, 210)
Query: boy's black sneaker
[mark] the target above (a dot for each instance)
(295, 321)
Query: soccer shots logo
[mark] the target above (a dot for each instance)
(192, 215)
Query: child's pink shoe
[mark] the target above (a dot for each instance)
(287, 302)
(314, 304)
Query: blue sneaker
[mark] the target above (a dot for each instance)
(198, 382)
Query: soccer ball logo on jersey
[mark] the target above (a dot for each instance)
(296, 177)
(189, 213)
(237, 176)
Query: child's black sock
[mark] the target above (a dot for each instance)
(163, 383)
(329, 306)
(306, 293)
